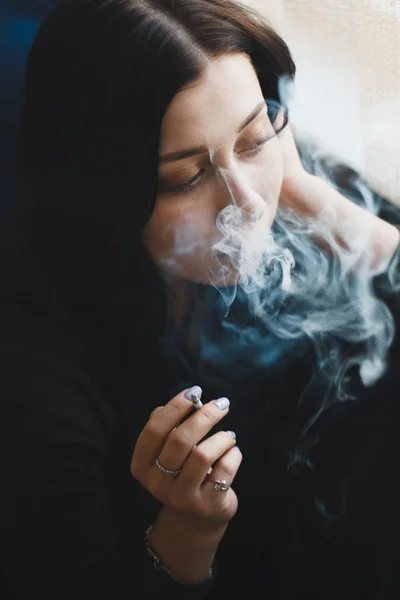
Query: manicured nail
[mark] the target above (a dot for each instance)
(194, 394)
(232, 434)
(222, 403)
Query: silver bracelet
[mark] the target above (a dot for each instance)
(160, 567)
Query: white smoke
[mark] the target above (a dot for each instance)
(296, 288)
(332, 294)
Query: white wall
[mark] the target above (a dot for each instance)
(347, 54)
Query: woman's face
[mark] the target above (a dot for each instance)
(220, 175)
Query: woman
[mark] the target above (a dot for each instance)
(155, 149)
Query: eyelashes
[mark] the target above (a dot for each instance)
(188, 185)
(191, 183)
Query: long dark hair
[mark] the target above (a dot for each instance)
(100, 76)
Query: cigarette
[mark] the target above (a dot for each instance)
(197, 403)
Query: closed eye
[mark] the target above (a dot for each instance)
(191, 183)
(186, 186)
(257, 146)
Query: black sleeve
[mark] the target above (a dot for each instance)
(58, 537)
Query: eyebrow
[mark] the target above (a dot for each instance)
(181, 154)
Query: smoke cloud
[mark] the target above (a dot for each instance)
(297, 289)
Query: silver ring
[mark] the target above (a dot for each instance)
(220, 486)
(165, 470)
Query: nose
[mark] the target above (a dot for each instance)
(239, 190)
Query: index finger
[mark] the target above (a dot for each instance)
(154, 434)
(178, 408)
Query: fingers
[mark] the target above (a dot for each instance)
(181, 441)
(176, 435)
(162, 421)
(206, 454)
(153, 412)
(225, 469)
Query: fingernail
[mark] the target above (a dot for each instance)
(194, 394)
(222, 403)
(232, 434)
(237, 447)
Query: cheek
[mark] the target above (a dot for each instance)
(273, 166)
(271, 175)
(177, 230)
(267, 165)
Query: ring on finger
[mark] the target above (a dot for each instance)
(165, 470)
(219, 485)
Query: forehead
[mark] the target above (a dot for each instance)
(213, 106)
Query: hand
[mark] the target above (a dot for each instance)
(352, 226)
(176, 441)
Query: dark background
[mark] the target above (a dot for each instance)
(19, 21)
